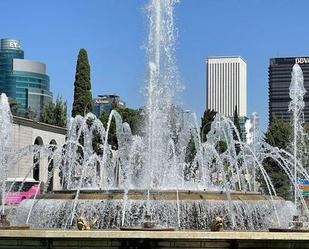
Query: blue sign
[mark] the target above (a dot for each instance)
(303, 181)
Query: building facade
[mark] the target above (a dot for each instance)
(226, 85)
(105, 103)
(279, 79)
(28, 132)
(23, 80)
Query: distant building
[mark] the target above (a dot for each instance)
(105, 103)
(279, 79)
(227, 85)
(24, 80)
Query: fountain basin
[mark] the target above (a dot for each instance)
(187, 210)
(156, 195)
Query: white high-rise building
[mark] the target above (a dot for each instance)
(227, 85)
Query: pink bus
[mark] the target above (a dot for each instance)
(28, 188)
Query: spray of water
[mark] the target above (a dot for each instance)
(296, 106)
(157, 161)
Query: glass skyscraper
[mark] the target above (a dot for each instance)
(279, 80)
(23, 80)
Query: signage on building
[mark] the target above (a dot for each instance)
(101, 101)
(14, 44)
(290, 60)
(302, 60)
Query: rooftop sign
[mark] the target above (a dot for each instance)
(302, 60)
(10, 44)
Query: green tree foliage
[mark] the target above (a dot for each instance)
(221, 146)
(190, 150)
(207, 119)
(305, 149)
(13, 106)
(237, 125)
(133, 117)
(278, 135)
(191, 166)
(55, 113)
(82, 86)
(30, 113)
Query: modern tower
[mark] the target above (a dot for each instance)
(23, 80)
(227, 85)
(279, 79)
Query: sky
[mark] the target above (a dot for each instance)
(114, 32)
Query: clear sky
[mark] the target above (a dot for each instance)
(114, 33)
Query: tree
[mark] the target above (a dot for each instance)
(278, 135)
(47, 115)
(305, 148)
(60, 112)
(30, 113)
(133, 117)
(207, 119)
(13, 106)
(82, 86)
(191, 166)
(237, 125)
(55, 113)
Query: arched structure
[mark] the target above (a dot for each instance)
(28, 132)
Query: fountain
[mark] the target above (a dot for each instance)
(296, 106)
(5, 147)
(147, 181)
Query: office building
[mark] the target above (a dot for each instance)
(227, 85)
(105, 103)
(279, 79)
(23, 80)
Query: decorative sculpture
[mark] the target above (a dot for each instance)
(217, 224)
(83, 225)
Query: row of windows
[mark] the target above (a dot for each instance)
(27, 79)
(27, 85)
(21, 85)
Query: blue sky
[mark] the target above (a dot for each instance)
(114, 33)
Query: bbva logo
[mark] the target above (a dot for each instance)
(302, 60)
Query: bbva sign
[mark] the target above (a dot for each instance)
(302, 60)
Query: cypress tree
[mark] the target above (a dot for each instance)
(82, 86)
(237, 125)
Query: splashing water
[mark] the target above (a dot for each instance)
(160, 87)
(157, 163)
(296, 106)
(5, 145)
